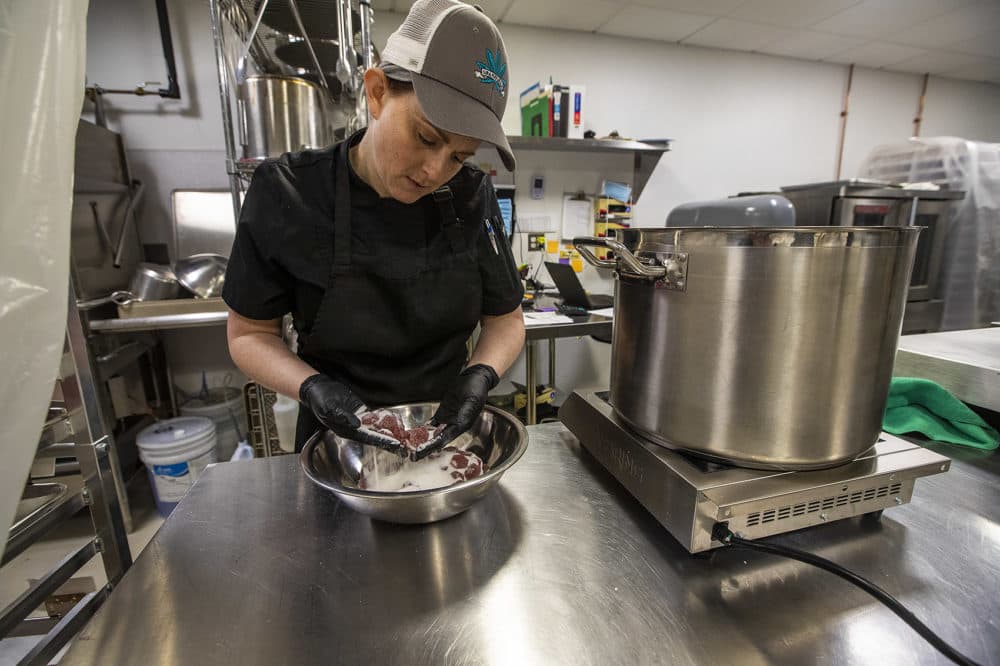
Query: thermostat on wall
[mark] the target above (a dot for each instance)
(537, 187)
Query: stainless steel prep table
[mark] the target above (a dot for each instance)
(967, 363)
(556, 566)
(590, 324)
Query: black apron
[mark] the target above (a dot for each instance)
(393, 323)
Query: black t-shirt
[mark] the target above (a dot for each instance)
(278, 264)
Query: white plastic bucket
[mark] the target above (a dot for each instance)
(218, 405)
(176, 452)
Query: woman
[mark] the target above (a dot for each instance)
(386, 248)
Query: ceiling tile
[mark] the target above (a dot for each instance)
(936, 62)
(737, 35)
(812, 45)
(877, 54)
(879, 19)
(789, 13)
(649, 23)
(987, 44)
(584, 15)
(986, 69)
(704, 7)
(953, 27)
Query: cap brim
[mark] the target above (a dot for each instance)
(456, 112)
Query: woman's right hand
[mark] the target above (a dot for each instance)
(333, 403)
(337, 407)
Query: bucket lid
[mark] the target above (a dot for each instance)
(178, 431)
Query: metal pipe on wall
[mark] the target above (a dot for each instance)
(843, 121)
(920, 106)
(172, 91)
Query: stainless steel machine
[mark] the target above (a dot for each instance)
(871, 203)
(749, 372)
(689, 495)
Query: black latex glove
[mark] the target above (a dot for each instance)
(337, 407)
(462, 404)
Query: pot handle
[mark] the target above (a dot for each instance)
(624, 254)
(121, 298)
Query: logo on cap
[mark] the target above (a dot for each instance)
(493, 71)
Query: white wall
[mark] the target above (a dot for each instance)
(740, 121)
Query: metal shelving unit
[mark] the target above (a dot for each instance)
(74, 422)
(645, 155)
(164, 315)
(160, 322)
(243, 33)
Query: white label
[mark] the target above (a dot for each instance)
(173, 481)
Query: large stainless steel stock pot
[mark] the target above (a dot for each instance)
(762, 347)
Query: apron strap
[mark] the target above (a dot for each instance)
(342, 213)
(449, 220)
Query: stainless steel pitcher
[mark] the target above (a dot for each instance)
(761, 347)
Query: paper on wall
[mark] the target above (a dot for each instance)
(536, 224)
(577, 217)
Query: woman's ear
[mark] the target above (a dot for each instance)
(376, 90)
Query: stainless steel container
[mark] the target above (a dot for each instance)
(337, 464)
(282, 114)
(761, 347)
(154, 282)
(202, 274)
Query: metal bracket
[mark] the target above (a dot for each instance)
(675, 265)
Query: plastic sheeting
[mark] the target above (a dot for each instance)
(42, 58)
(972, 246)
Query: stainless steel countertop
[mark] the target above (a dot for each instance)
(556, 565)
(967, 363)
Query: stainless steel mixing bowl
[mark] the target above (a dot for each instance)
(202, 274)
(336, 464)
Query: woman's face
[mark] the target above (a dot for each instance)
(412, 158)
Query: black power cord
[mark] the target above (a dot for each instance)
(721, 532)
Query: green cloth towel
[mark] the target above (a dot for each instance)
(920, 405)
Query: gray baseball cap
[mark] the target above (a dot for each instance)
(455, 57)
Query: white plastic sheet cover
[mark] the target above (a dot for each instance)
(972, 246)
(42, 59)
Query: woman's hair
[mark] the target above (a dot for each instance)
(399, 87)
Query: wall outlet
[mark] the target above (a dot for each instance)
(536, 242)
